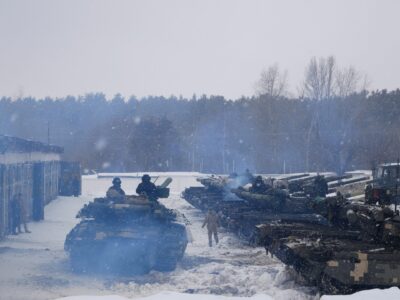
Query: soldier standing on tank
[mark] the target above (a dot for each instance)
(212, 222)
(259, 186)
(115, 191)
(369, 199)
(333, 206)
(147, 188)
(321, 186)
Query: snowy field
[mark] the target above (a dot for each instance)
(34, 266)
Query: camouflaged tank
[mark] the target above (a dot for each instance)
(215, 192)
(129, 236)
(240, 211)
(357, 249)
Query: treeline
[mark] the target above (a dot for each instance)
(269, 134)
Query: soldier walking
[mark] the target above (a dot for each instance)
(212, 222)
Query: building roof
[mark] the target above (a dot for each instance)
(19, 145)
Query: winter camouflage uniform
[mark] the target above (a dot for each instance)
(115, 192)
(23, 213)
(147, 187)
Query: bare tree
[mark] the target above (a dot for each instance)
(330, 68)
(347, 81)
(272, 82)
(319, 78)
(325, 79)
(318, 85)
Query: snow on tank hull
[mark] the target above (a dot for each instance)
(127, 248)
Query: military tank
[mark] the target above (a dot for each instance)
(357, 249)
(129, 236)
(384, 188)
(240, 209)
(215, 192)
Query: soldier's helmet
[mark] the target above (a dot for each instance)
(116, 181)
(146, 178)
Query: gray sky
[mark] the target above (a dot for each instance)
(164, 47)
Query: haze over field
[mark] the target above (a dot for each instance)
(277, 120)
(56, 48)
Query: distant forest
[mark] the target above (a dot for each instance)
(266, 133)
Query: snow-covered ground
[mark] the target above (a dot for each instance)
(34, 266)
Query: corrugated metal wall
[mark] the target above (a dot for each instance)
(38, 183)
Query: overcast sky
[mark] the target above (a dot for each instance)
(181, 47)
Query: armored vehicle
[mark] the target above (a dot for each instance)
(126, 236)
(241, 210)
(384, 188)
(336, 261)
(357, 249)
(275, 200)
(215, 192)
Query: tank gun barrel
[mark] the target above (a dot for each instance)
(291, 177)
(348, 180)
(166, 182)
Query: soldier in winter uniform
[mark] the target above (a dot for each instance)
(321, 186)
(212, 222)
(115, 191)
(15, 215)
(259, 186)
(22, 213)
(147, 187)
